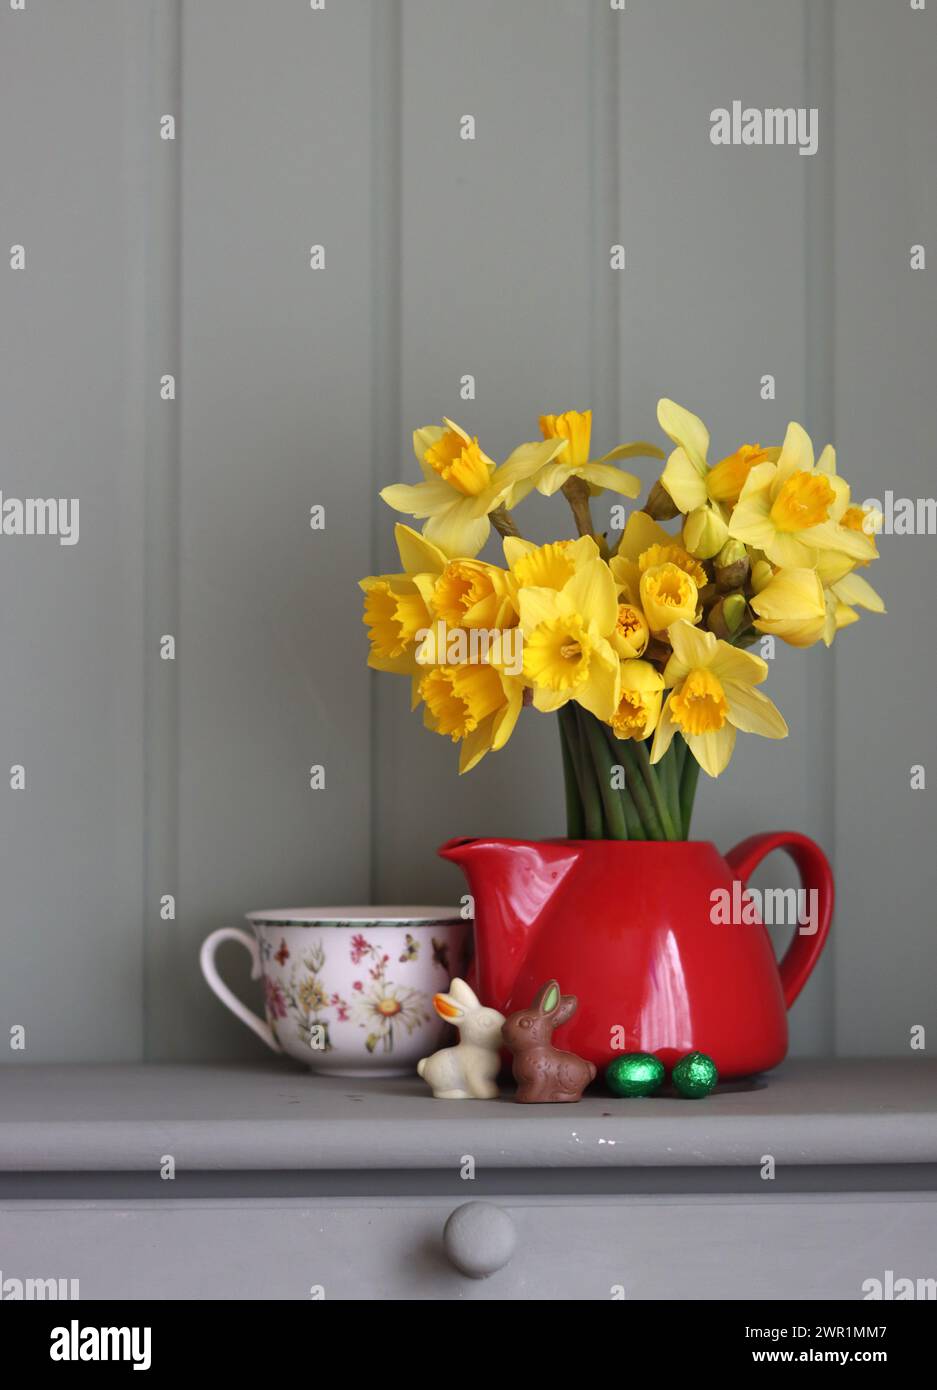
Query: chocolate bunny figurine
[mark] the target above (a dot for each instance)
(544, 1074)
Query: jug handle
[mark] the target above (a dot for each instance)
(815, 872)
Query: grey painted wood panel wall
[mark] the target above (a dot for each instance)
(444, 257)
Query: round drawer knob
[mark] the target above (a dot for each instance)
(479, 1239)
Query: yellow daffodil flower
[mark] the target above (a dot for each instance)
(792, 510)
(575, 428)
(712, 694)
(475, 705)
(644, 543)
(469, 593)
(568, 654)
(395, 608)
(642, 691)
(668, 595)
(462, 486)
(792, 606)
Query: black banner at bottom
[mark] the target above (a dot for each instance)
(155, 1338)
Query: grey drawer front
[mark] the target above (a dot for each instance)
(567, 1248)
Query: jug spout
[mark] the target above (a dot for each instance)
(511, 883)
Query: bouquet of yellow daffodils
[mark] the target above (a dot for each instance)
(642, 647)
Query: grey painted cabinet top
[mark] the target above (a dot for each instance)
(232, 1117)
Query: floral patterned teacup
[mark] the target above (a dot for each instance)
(348, 990)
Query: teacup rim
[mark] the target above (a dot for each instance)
(377, 915)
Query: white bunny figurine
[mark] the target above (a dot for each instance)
(469, 1070)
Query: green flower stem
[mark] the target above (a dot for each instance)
(688, 791)
(624, 750)
(671, 831)
(593, 824)
(669, 773)
(575, 816)
(602, 761)
(636, 829)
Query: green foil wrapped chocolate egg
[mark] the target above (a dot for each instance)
(695, 1075)
(634, 1074)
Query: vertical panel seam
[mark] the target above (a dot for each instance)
(386, 22)
(820, 394)
(161, 63)
(605, 163)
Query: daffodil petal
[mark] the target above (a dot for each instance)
(514, 547)
(792, 593)
(600, 692)
(829, 536)
(856, 590)
(753, 712)
(546, 701)
(417, 554)
(684, 481)
(474, 746)
(788, 551)
(426, 587)
(403, 665)
(751, 520)
(552, 478)
(627, 576)
(826, 463)
(592, 592)
(692, 647)
(712, 751)
(419, 499)
(506, 718)
(424, 439)
(524, 466)
(796, 452)
(606, 475)
(760, 480)
(640, 449)
(736, 665)
(685, 429)
(536, 605)
(640, 533)
(457, 531)
(663, 734)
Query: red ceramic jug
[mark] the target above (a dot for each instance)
(633, 929)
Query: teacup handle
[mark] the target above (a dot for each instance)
(206, 960)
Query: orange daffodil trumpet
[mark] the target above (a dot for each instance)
(575, 428)
(641, 647)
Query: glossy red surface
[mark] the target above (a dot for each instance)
(628, 927)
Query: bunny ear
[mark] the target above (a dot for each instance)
(461, 991)
(548, 998)
(568, 1005)
(448, 1008)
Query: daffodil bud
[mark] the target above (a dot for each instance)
(727, 617)
(732, 566)
(731, 552)
(762, 574)
(705, 532)
(660, 505)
